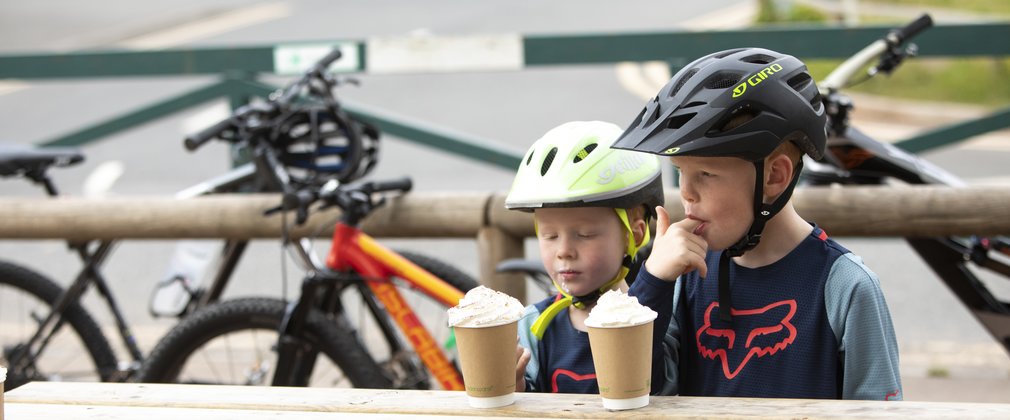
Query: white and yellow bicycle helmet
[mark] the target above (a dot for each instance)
(572, 165)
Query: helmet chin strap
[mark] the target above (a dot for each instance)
(566, 299)
(762, 214)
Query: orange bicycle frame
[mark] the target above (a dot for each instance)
(353, 249)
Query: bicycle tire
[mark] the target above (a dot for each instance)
(170, 360)
(45, 292)
(404, 367)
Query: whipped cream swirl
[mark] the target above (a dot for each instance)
(617, 309)
(484, 307)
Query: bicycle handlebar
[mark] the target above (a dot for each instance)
(355, 201)
(844, 72)
(325, 62)
(194, 141)
(402, 185)
(275, 103)
(911, 30)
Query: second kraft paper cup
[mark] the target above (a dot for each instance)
(488, 358)
(623, 360)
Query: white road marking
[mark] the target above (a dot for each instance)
(645, 79)
(99, 182)
(204, 28)
(11, 86)
(206, 117)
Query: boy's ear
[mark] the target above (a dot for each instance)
(638, 227)
(778, 174)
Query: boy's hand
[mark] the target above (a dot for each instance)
(522, 359)
(676, 249)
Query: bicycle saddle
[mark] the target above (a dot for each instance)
(19, 159)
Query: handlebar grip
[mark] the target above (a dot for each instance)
(194, 141)
(911, 30)
(403, 184)
(328, 59)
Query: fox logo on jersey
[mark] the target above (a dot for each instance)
(769, 330)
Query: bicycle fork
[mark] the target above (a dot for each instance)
(296, 358)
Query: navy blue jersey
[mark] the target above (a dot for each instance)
(562, 361)
(813, 324)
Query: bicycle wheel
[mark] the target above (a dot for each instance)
(78, 352)
(388, 345)
(234, 342)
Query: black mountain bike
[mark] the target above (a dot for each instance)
(45, 332)
(854, 158)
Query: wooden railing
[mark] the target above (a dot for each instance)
(848, 211)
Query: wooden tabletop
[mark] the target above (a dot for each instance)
(48, 400)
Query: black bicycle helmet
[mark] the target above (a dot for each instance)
(320, 144)
(769, 97)
(687, 117)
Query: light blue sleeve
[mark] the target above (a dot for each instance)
(862, 326)
(530, 342)
(662, 297)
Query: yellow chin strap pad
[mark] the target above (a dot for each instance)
(540, 325)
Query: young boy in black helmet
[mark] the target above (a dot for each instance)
(766, 304)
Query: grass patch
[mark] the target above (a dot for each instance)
(938, 372)
(974, 80)
(981, 81)
(981, 6)
(798, 13)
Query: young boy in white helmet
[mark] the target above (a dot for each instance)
(765, 304)
(591, 205)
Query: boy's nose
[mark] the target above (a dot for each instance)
(566, 250)
(687, 192)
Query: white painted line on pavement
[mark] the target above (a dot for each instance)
(641, 79)
(210, 26)
(645, 79)
(205, 117)
(11, 86)
(432, 53)
(732, 17)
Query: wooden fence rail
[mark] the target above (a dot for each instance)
(884, 211)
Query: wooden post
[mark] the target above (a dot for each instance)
(496, 245)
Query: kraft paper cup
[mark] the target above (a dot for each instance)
(623, 360)
(488, 359)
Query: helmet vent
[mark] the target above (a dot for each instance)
(816, 103)
(722, 80)
(678, 121)
(653, 116)
(758, 59)
(682, 81)
(728, 53)
(800, 81)
(584, 152)
(529, 158)
(548, 160)
(693, 104)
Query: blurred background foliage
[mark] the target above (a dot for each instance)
(982, 81)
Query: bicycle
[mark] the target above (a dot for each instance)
(359, 283)
(341, 149)
(855, 158)
(35, 344)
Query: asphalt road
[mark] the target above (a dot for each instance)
(509, 108)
